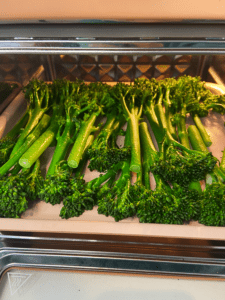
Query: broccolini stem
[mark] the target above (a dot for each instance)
(77, 151)
(169, 139)
(167, 104)
(132, 116)
(182, 132)
(16, 169)
(26, 145)
(108, 128)
(115, 132)
(125, 167)
(148, 152)
(63, 144)
(135, 165)
(83, 162)
(222, 164)
(101, 179)
(36, 168)
(205, 136)
(36, 115)
(164, 120)
(196, 139)
(157, 130)
(170, 127)
(110, 122)
(39, 146)
(160, 114)
(19, 125)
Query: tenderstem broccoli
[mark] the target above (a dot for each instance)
(83, 195)
(114, 198)
(57, 184)
(98, 96)
(177, 163)
(132, 104)
(30, 139)
(37, 93)
(45, 140)
(212, 204)
(69, 124)
(165, 204)
(149, 93)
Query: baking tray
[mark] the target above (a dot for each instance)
(43, 217)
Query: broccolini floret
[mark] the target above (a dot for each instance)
(18, 189)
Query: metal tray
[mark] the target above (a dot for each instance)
(43, 217)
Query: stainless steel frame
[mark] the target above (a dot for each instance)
(15, 252)
(113, 47)
(115, 254)
(120, 38)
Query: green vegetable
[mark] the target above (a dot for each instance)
(30, 139)
(165, 204)
(8, 142)
(98, 96)
(132, 105)
(149, 93)
(212, 205)
(37, 93)
(46, 139)
(177, 163)
(17, 189)
(83, 195)
(114, 197)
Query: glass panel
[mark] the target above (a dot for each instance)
(58, 285)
